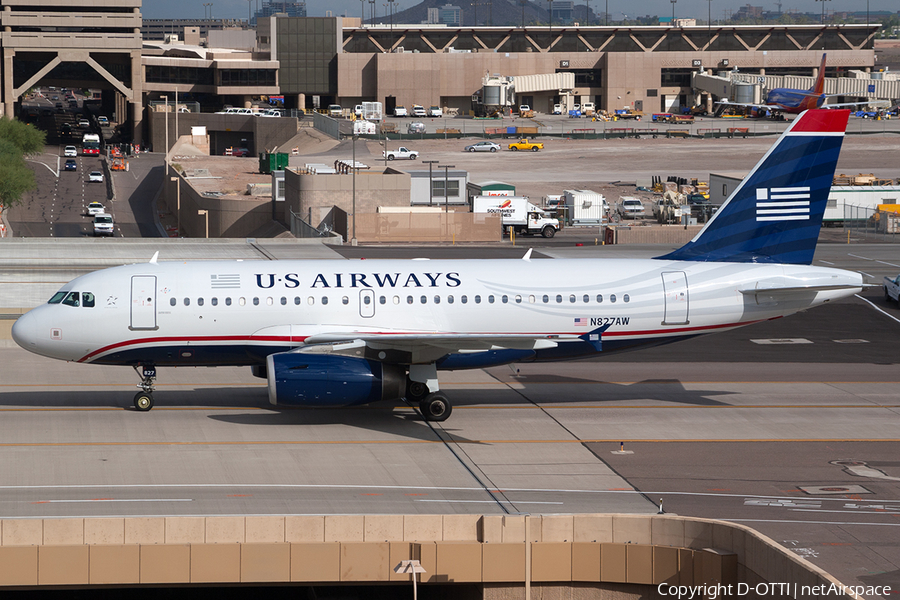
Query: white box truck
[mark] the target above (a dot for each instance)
(517, 214)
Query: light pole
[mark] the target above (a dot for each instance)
(353, 241)
(431, 163)
(673, 11)
(207, 10)
(372, 2)
(709, 25)
(587, 12)
(523, 3)
(249, 13)
(446, 169)
(550, 29)
(177, 181)
(167, 127)
(606, 14)
(823, 10)
(362, 11)
(206, 214)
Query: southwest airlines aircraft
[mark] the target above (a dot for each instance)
(790, 100)
(339, 333)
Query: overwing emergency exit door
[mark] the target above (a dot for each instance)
(675, 288)
(143, 302)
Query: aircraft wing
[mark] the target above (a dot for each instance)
(847, 104)
(750, 105)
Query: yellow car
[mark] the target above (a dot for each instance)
(524, 144)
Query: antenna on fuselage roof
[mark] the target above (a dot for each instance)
(528, 254)
(155, 256)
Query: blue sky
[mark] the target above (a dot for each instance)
(237, 9)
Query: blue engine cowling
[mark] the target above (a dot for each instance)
(298, 379)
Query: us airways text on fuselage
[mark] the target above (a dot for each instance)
(361, 280)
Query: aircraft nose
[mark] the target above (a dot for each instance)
(25, 331)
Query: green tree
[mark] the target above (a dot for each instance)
(16, 141)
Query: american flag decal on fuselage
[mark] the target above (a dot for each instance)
(782, 204)
(221, 282)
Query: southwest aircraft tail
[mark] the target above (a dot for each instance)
(775, 214)
(818, 87)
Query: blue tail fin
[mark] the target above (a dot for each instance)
(775, 214)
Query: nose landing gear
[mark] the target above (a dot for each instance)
(143, 400)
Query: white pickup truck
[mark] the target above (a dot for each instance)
(401, 152)
(892, 289)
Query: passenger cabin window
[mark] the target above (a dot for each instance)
(324, 299)
(228, 301)
(612, 297)
(255, 301)
(173, 302)
(199, 301)
(626, 298)
(283, 301)
(297, 300)
(345, 300)
(187, 301)
(599, 298)
(214, 301)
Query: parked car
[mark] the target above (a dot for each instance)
(95, 208)
(71, 165)
(95, 177)
(335, 110)
(415, 127)
(435, 111)
(103, 224)
(400, 111)
(419, 111)
(482, 147)
(103, 121)
(630, 207)
(71, 151)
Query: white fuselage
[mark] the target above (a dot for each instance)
(237, 312)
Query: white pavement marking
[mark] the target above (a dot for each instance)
(869, 302)
(794, 522)
(107, 500)
(858, 256)
(487, 502)
(854, 512)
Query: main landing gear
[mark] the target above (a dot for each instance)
(143, 400)
(422, 387)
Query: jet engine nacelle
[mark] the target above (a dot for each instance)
(298, 379)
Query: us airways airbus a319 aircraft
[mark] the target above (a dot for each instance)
(339, 333)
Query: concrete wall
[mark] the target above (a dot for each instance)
(265, 132)
(316, 195)
(590, 552)
(229, 216)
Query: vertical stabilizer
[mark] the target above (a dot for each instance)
(818, 87)
(775, 213)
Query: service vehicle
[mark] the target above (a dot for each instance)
(95, 208)
(435, 111)
(103, 224)
(630, 207)
(627, 113)
(70, 151)
(525, 111)
(419, 111)
(415, 127)
(588, 109)
(524, 144)
(358, 111)
(71, 165)
(95, 177)
(517, 214)
(401, 152)
(892, 289)
(400, 111)
(335, 110)
(482, 147)
(557, 109)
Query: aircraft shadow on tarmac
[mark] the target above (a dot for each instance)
(663, 390)
(379, 417)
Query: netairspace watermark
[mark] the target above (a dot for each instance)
(720, 590)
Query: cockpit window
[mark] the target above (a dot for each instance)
(87, 300)
(57, 298)
(72, 299)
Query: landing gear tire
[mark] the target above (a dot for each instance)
(435, 407)
(416, 391)
(143, 401)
